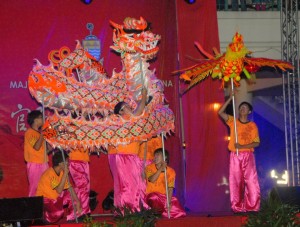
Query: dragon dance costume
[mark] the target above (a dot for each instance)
(243, 180)
(128, 181)
(36, 161)
(156, 193)
(80, 174)
(53, 202)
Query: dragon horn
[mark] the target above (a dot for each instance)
(78, 44)
(144, 23)
(115, 25)
(37, 62)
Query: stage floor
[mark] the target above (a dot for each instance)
(191, 220)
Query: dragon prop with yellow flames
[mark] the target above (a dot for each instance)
(229, 65)
(75, 86)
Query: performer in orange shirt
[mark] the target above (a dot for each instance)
(80, 173)
(125, 164)
(146, 155)
(53, 187)
(35, 150)
(156, 186)
(243, 181)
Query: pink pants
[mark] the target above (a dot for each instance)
(243, 182)
(142, 170)
(158, 201)
(34, 173)
(129, 187)
(53, 208)
(80, 174)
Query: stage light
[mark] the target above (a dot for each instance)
(190, 1)
(273, 174)
(87, 2)
(216, 106)
(283, 179)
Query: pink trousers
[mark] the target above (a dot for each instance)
(80, 174)
(129, 186)
(158, 201)
(142, 170)
(53, 208)
(243, 182)
(34, 173)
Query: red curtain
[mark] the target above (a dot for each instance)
(31, 29)
(206, 153)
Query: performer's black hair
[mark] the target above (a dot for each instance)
(118, 107)
(160, 150)
(248, 104)
(32, 116)
(58, 158)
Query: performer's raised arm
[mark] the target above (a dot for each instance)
(222, 112)
(141, 106)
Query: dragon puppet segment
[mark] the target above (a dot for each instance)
(74, 82)
(231, 64)
(57, 91)
(96, 133)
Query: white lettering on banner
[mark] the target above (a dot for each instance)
(167, 83)
(18, 84)
(20, 114)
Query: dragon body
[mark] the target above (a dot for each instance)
(77, 88)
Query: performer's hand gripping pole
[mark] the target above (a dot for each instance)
(68, 180)
(166, 179)
(234, 114)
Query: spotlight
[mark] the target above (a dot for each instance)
(87, 2)
(190, 1)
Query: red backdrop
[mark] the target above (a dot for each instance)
(31, 29)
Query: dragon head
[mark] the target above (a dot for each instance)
(132, 37)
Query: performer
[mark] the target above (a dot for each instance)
(125, 163)
(156, 186)
(56, 190)
(243, 181)
(35, 150)
(80, 173)
(146, 155)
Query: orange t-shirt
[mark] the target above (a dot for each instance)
(132, 148)
(48, 182)
(247, 133)
(151, 146)
(79, 155)
(30, 154)
(159, 185)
